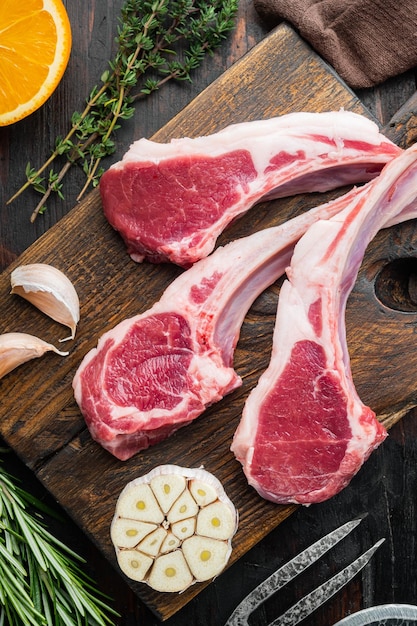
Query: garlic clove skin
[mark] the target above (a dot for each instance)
(18, 348)
(47, 288)
(196, 523)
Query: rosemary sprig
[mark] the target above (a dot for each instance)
(157, 42)
(41, 582)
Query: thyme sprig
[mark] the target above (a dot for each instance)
(41, 582)
(157, 42)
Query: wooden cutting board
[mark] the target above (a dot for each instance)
(39, 418)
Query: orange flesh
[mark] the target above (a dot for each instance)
(35, 43)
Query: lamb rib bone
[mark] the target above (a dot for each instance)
(170, 202)
(157, 371)
(304, 432)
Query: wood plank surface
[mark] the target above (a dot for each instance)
(39, 418)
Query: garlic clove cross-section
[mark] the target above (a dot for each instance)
(190, 535)
(167, 488)
(170, 572)
(128, 532)
(50, 290)
(204, 556)
(215, 520)
(17, 348)
(140, 504)
(135, 564)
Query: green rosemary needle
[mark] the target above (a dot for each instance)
(157, 42)
(41, 582)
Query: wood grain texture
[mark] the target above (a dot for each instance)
(39, 418)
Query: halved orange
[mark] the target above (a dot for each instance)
(35, 45)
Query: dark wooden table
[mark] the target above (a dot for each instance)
(385, 488)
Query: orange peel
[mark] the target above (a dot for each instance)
(35, 46)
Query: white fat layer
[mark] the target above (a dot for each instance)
(336, 125)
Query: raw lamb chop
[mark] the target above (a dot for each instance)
(159, 370)
(304, 431)
(171, 201)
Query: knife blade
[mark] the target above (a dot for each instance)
(309, 603)
(287, 572)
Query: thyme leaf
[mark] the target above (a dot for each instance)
(157, 41)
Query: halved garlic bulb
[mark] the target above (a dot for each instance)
(47, 288)
(17, 348)
(173, 527)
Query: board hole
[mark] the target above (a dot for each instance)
(396, 285)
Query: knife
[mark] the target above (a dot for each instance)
(295, 566)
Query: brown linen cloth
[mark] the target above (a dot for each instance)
(366, 41)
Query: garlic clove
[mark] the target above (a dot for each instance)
(202, 493)
(18, 348)
(134, 564)
(138, 502)
(127, 533)
(167, 488)
(170, 573)
(184, 507)
(171, 542)
(215, 520)
(184, 528)
(205, 557)
(152, 543)
(50, 290)
(197, 522)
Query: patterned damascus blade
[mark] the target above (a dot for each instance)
(289, 571)
(316, 598)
